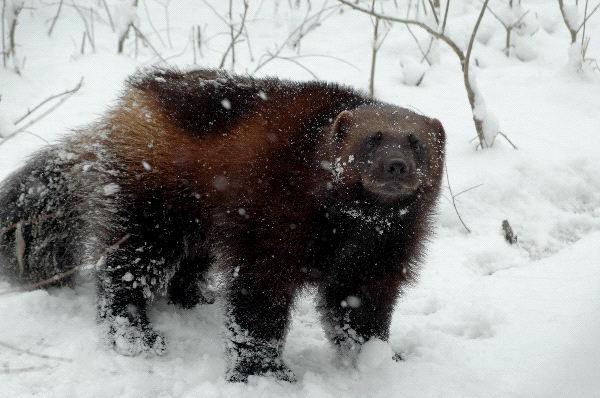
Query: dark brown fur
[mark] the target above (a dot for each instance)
(236, 171)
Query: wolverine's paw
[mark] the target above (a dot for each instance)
(132, 340)
(279, 371)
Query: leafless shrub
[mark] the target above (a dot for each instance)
(578, 58)
(310, 22)
(570, 17)
(485, 123)
(512, 19)
(235, 30)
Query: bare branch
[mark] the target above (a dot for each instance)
(65, 96)
(313, 19)
(588, 17)
(23, 370)
(110, 20)
(156, 32)
(234, 35)
(462, 56)
(4, 52)
(55, 18)
(50, 98)
(433, 10)
(86, 25)
(508, 139)
(413, 22)
(145, 39)
(445, 16)
(453, 199)
(294, 61)
(34, 354)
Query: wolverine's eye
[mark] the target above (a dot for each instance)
(416, 145)
(374, 139)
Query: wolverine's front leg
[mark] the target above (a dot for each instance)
(355, 310)
(258, 309)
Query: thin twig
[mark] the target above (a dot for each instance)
(110, 20)
(145, 39)
(272, 55)
(50, 98)
(85, 24)
(55, 18)
(467, 190)
(508, 139)
(413, 22)
(294, 61)
(4, 53)
(34, 354)
(23, 370)
(453, 197)
(65, 96)
(234, 35)
(588, 17)
(152, 24)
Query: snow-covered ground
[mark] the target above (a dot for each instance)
(485, 319)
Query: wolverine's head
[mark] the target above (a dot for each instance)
(388, 153)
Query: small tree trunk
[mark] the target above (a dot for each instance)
(573, 35)
(374, 58)
(472, 101)
(122, 40)
(232, 34)
(3, 34)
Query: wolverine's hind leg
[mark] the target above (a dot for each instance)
(127, 281)
(190, 285)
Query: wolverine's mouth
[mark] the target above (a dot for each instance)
(390, 190)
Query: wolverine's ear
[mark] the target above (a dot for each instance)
(341, 125)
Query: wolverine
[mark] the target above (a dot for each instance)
(274, 184)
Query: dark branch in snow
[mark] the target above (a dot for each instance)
(34, 354)
(509, 235)
(23, 370)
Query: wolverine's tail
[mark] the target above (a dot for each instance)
(38, 220)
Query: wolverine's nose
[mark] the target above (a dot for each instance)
(397, 169)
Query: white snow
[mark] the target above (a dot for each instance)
(485, 319)
(110, 189)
